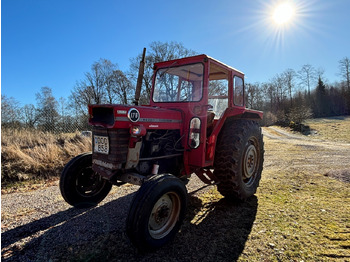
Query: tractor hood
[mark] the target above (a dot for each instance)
(123, 116)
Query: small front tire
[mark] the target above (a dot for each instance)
(81, 186)
(157, 212)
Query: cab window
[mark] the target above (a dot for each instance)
(238, 95)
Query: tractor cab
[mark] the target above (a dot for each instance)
(206, 92)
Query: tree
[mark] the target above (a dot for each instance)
(289, 76)
(344, 67)
(93, 88)
(337, 100)
(121, 87)
(279, 88)
(157, 52)
(31, 115)
(321, 104)
(105, 83)
(254, 96)
(9, 112)
(47, 107)
(307, 76)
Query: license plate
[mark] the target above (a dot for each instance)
(101, 144)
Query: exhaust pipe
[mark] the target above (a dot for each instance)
(139, 78)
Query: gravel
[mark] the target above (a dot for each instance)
(40, 226)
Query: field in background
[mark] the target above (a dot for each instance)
(332, 128)
(30, 154)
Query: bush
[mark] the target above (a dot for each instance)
(299, 114)
(269, 119)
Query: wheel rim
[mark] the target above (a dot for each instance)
(164, 215)
(89, 183)
(250, 162)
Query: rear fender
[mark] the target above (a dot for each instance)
(229, 114)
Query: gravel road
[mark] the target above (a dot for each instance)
(38, 225)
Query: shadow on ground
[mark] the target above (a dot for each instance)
(214, 231)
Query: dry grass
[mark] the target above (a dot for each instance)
(27, 154)
(332, 129)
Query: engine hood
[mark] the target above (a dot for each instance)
(123, 116)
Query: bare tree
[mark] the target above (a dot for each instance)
(105, 83)
(96, 86)
(307, 76)
(270, 95)
(47, 107)
(121, 87)
(9, 111)
(344, 67)
(157, 52)
(289, 79)
(281, 89)
(254, 96)
(31, 115)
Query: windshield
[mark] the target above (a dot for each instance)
(179, 84)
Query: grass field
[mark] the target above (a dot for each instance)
(332, 129)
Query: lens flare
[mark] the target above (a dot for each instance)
(283, 13)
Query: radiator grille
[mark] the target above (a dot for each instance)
(118, 145)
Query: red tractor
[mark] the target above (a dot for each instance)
(196, 123)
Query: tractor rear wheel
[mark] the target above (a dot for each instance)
(156, 212)
(239, 159)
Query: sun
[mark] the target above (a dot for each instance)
(283, 13)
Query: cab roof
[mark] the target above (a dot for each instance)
(193, 59)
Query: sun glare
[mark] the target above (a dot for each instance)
(283, 13)
(280, 24)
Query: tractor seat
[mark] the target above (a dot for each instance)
(210, 117)
(210, 121)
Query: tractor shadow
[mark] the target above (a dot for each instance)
(69, 235)
(216, 231)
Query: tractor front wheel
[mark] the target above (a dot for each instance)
(81, 186)
(239, 159)
(156, 212)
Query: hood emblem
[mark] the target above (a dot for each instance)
(134, 115)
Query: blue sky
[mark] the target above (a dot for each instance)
(53, 43)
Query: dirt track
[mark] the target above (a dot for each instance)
(308, 153)
(280, 134)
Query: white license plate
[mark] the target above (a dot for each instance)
(101, 144)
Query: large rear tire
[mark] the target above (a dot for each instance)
(81, 186)
(239, 159)
(157, 212)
